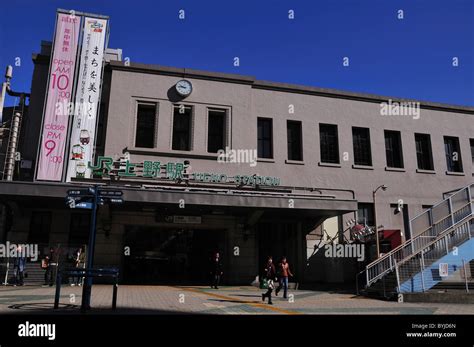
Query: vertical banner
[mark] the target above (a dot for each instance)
(87, 98)
(60, 81)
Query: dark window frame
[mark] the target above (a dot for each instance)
(368, 213)
(471, 142)
(140, 142)
(361, 146)
(424, 152)
(394, 156)
(175, 145)
(294, 147)
(329, 143)
(451, 165)
(265, 141)
(212, 135)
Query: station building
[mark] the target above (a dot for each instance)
(320, 154)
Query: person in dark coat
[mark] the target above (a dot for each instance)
(19, 267)
(269, 275)
(216, 270)
(49, 267)
(78, 262)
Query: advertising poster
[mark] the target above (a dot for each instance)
(55, 120)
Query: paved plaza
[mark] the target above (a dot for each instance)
(203, 300)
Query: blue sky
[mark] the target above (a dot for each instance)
(409, 58)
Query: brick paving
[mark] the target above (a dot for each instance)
(203, 300)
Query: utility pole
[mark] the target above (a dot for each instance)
(377, 241)
(87, 288)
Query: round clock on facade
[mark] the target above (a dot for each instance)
(184, 87)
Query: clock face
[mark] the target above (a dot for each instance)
(184, 87)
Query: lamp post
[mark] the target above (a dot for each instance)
(374, 193)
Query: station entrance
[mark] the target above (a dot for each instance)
(170, 255)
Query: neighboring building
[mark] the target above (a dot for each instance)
(327, 149)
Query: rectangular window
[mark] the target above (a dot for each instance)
(453, 154)
(393, 149)
(146, 123)
(100, 142)
(182, 121)
(424, 155)
(365, 214)
(329, 143)
(361, 143)
(472, 152)
(40, 227)
(216, 130)
(295, 150)
(265, 137)
(79, 229)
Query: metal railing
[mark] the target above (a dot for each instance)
(85, 273)
(421, 272)
(448, 216)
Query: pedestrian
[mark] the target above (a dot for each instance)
(216, 270)
(19, 267)
(269, 276)
(284, 272)
(78, 261)
(48, 264)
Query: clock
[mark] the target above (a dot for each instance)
(184, 87)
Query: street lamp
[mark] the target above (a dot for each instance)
(384, 188)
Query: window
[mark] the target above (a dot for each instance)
(424, 155)
(329, 144)
(453, 154)
(295, 151)
(472, 151)
(182, 120)
(216, 130)
(79, 229)
(365, 214)
(265, 137)
(100, 142)
(40, 226)
(146, 122)
(393, 149)
(361, 143)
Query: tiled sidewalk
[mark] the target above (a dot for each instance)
(203, 300)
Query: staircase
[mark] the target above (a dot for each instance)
(35, 274)
(442, 235)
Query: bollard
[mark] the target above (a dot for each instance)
(58, 290)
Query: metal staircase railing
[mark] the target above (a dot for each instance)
(448, 216)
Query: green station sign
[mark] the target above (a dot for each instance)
(171, 171)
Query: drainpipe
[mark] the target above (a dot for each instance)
(15, 124)
(12, 146)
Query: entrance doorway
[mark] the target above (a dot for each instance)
(170, 255)
(278, 240)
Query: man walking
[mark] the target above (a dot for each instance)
(216, 270)
(19, 267)
(269, 276)
(284, 272)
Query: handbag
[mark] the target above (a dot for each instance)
(264, 284)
